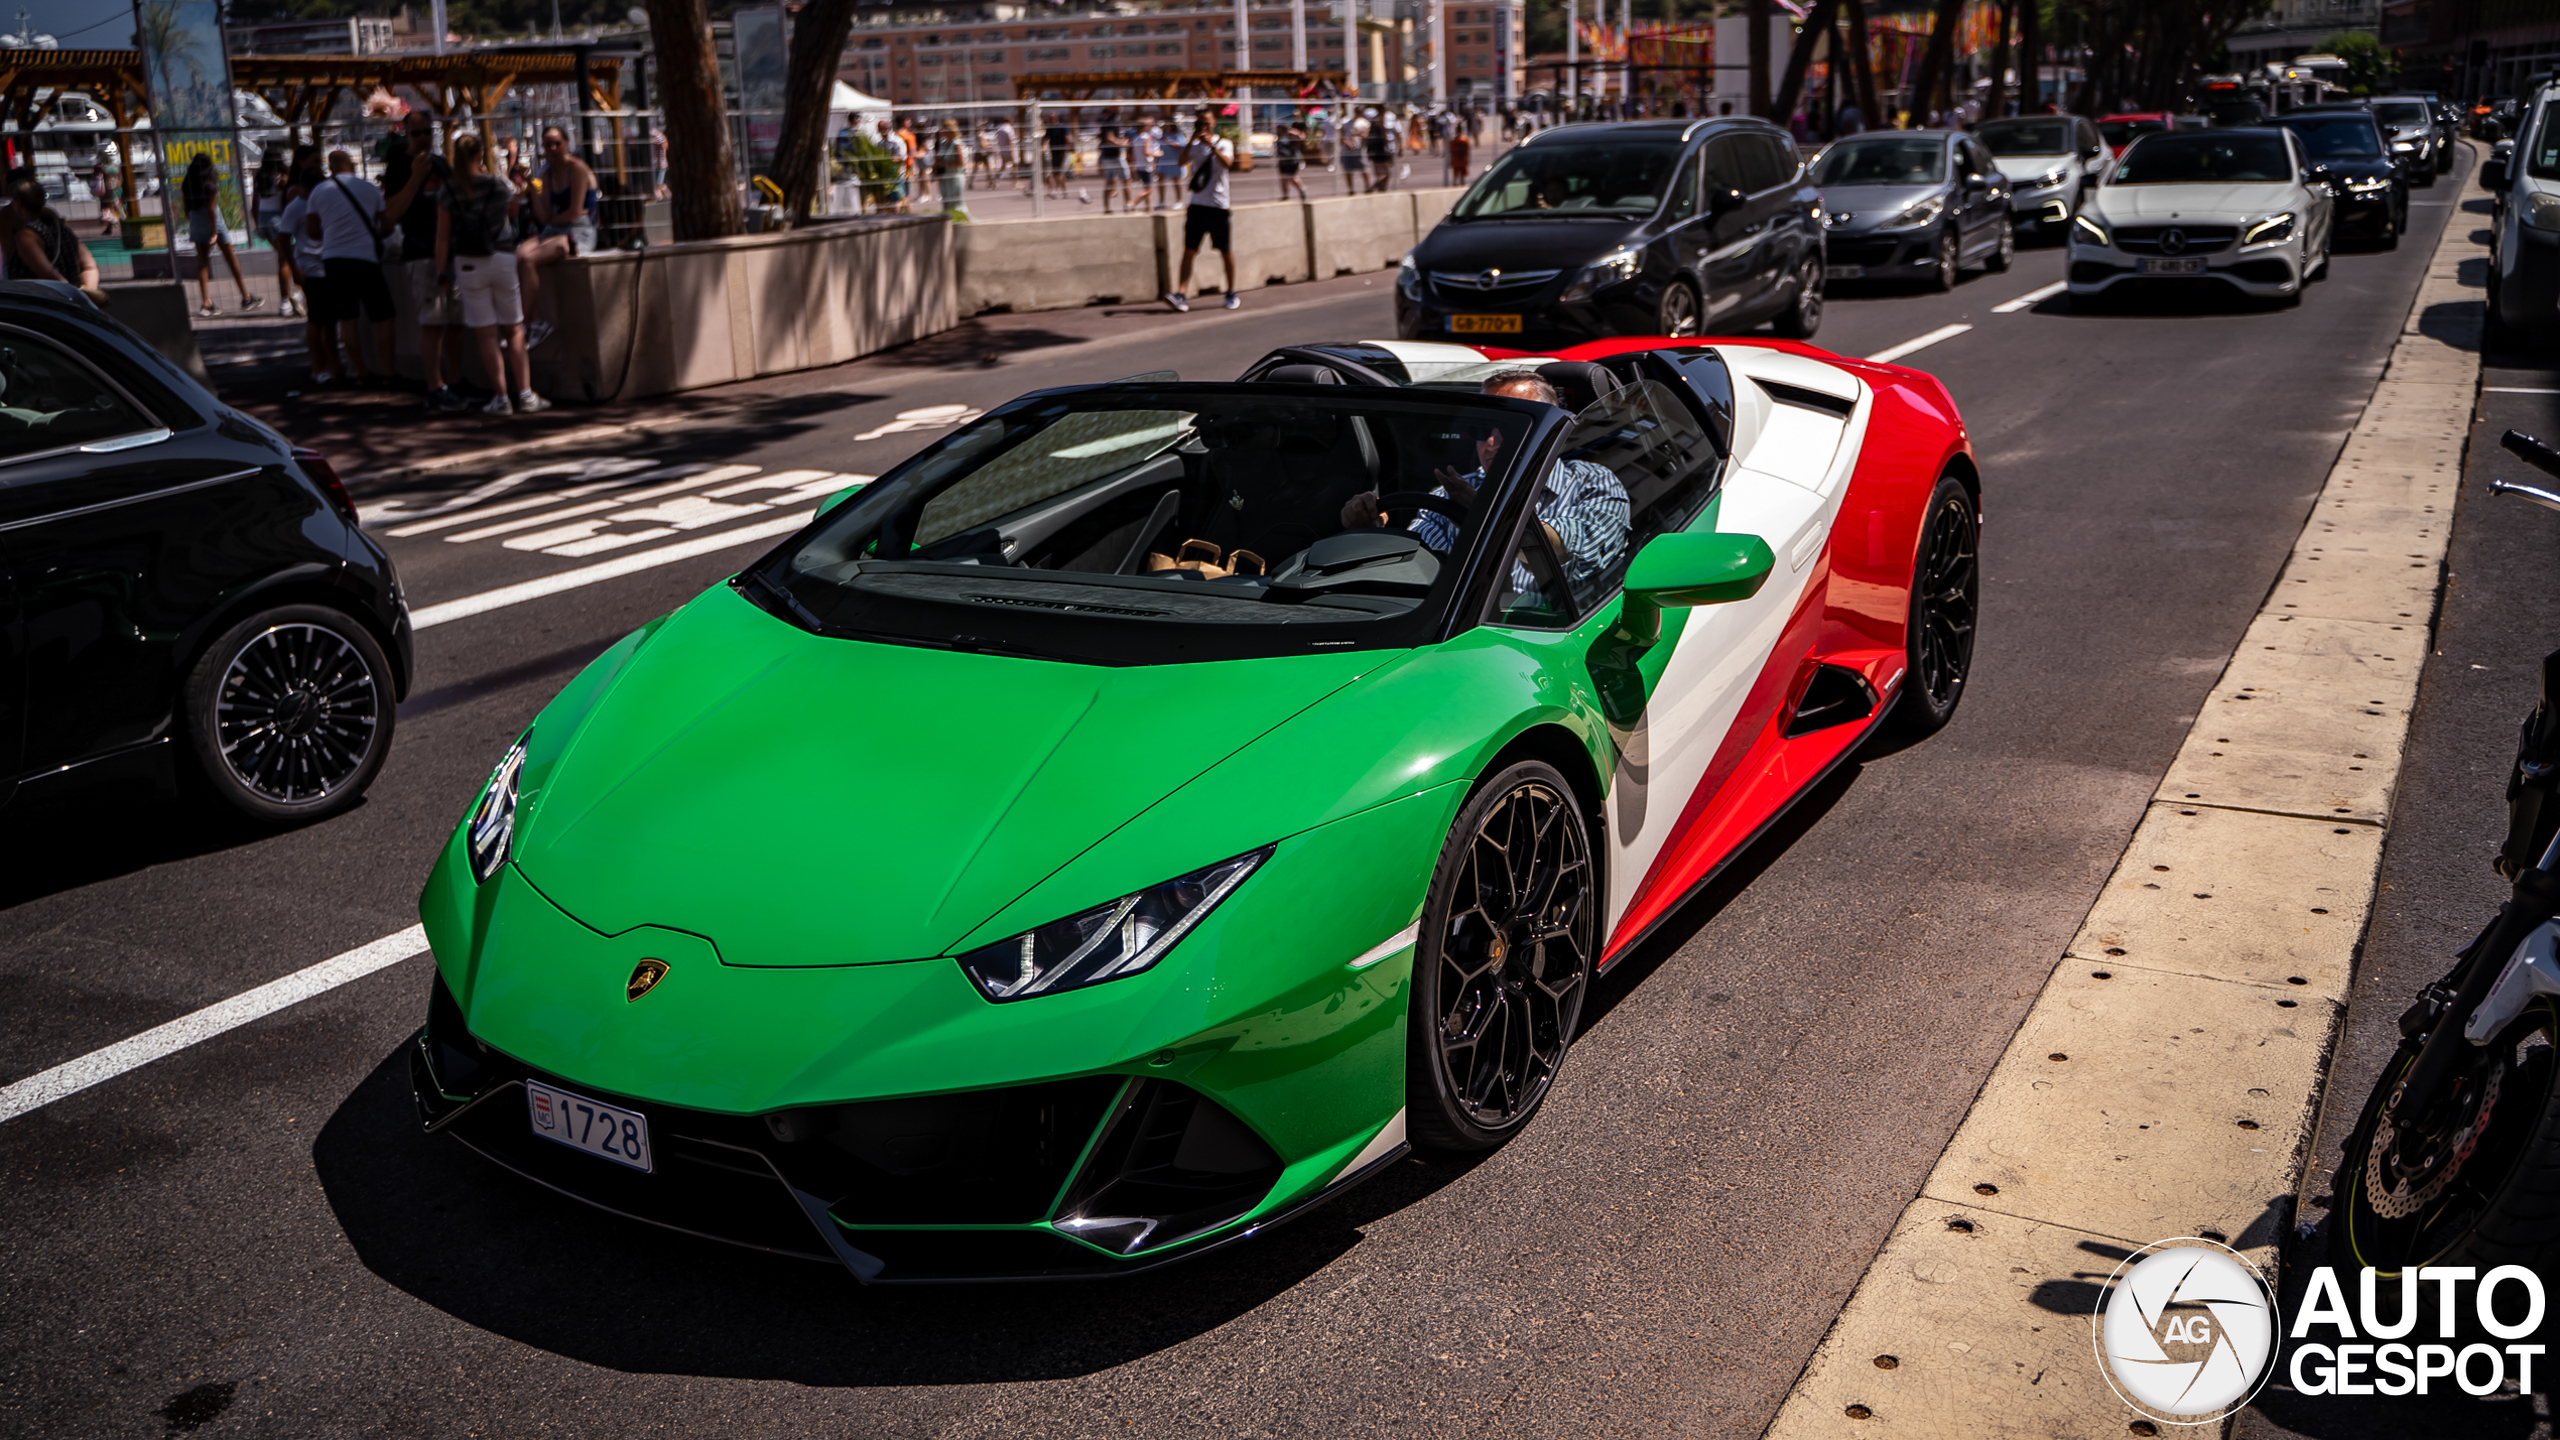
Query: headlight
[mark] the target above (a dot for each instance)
(2404, 144)
(1917, 216)
(1409, 277)
(2050, 178)
(2542, 212)
(1107, 942)
(2369, 184)
(2088, 231)
(2268, 231)
(1610, 269)
(491, 831)
(1835, 219)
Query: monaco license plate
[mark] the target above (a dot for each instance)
(606, 1131)
(1484, 324)
(1844, 272)
(2180, 265)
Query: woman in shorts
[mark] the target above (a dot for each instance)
(1111, 147)
(200, 192)
(472, 259)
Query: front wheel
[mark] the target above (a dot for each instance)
(290, 713)
(2487, 1192)
(1997, 262)
(1942, 276)
(1678, 314)
(1946, 593)
(1803, 314)
(1510, 932)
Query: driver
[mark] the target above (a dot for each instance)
(1582, 506)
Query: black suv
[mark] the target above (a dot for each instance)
(177, 582)
(2346, 148)
(1650, 227)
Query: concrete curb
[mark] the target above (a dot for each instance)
(2167, 1081)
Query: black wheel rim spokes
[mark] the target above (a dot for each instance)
(297, 713)
(1679, 313)
(1516, 957)
(1945, 605)
(1809, 296)
(2526, 1064)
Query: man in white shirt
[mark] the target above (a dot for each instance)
(1211, 155)
(345, 216)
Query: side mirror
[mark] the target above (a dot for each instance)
(2493, 175)
(1690, 569)
(1723, 200)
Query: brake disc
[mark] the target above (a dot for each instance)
(2399, 1202)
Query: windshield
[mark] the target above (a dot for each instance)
(2235, 112)
(2210, 158)
(2026, 137)
(1908, 161)
(2335, 137)
(1621, 181)
(2402, 112)
(1137, 525)
(2120, 133)
(2542, 157)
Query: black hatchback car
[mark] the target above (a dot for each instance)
(1649, 227)
(177, 582)
(2346, 148)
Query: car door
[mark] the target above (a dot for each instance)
(1686, 234)
(1732, 251)
(2092, 148)
(1778, 241)
(1984, 198)
(119, 536)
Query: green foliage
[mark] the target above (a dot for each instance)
(2369, 65)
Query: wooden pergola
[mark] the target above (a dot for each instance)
(31, 80)
(305, 88)
(1170, 84)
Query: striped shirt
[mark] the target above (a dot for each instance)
(1581, 501)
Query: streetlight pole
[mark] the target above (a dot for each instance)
(1244, 61)
(1573, 55)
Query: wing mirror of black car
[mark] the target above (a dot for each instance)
(1723, 200)
(2493, 175)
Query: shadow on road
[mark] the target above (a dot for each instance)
(506, 1256)
(115, 827)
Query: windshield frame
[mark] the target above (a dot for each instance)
(804, 600)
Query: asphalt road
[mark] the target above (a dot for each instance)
(251, 1237)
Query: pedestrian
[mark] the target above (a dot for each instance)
(267, 220)
(657, 163)
(950, 174)
(1111, 153)
(199, 192)
(102, 186)
(1207, 217)
(471, 222)
(1382, 151)
(1462, 149)
(1168, 183)
(416, 176)
(1851, 120)
(1289, 148)
(41, 245)
(1057, 142)
(320, 310)
(565, 203)
(979, 173)
(1355, 155)
(345, 216)
(893, 195)
(1004, 151)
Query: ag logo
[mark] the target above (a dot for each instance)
(645, 977)
(2187, 1335)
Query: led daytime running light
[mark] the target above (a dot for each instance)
(490, 833)
(1107, 942)
(2087, 231)
(2269, 231)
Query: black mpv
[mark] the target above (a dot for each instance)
(1648, 227)
(177, 582)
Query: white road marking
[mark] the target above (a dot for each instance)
(547, 585)
(73, 1076)
(1943, 332)
(2515, 390)
(598, 467)
(679, 478)
(2029, 300)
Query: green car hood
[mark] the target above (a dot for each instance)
(802, 801)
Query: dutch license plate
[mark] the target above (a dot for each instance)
(2184, 265)
(606, 1131)
(1484, 324)
(1844, 272)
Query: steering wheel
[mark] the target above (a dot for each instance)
(1395, 500)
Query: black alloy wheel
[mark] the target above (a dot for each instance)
(1946, 592)
(1997, 262)
(290, 713)
(2486, 1190)
(1803, 313)
(1510, 934)
(1942, 278)
(1678, 316)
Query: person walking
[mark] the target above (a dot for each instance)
(41, 245)
(267, 219)
(1289, 148)
(1355, 155)
(1058, 143)
(565, 203)
(471, 219)
(1462, 147)
(102, 187)
(1111, 152)
(1168, 153)
(416, 176)
(893, 193)
(345, 216)
(1382, 151)
(950, 170)
(1207, 217)
(320, 309)
(200, 192)
(1005, 159)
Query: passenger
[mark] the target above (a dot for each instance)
(1582, 506)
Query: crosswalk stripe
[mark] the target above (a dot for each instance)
(632, 564)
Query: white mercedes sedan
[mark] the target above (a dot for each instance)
(2237, 206)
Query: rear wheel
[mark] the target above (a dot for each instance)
(1803, 313)
(1946, 592)
(1678, 314)
(1510, 932)
(290, 713)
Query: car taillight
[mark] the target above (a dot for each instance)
(325, 475)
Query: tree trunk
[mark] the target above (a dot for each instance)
(2030, 60)
(817, 47)
(1756, 15)
(1996, 103)
(1817, 23)
(1862, 64)
(702, 170)
(1933, 62)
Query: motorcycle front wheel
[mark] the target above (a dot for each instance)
(2487, 1192)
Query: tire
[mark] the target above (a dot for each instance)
(1803, 313)
(1997, 262)
(1510, 934)
(1679, 315)
(2394, 220)
(1943, 278)
(289, 713)
(2498, 1204)
(1946, 599)
(2321, 271)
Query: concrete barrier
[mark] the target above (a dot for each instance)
(1430, 205)
(1058, 264)
(157, 314)
(1358, 233)
(1270, 246)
